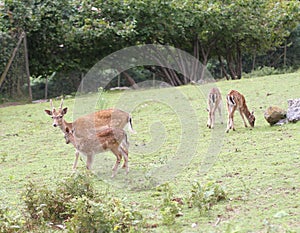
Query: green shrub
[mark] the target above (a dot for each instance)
(266, 70)
(108, 215)
(9, 222)
(204, 197)
(169, 208)
(76, 206)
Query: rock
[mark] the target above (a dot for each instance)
(293, 112)
(274, 114)
(282, 122)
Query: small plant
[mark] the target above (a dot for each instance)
(105, 215)
(102, 102)
(76, 206)
(204, 197)
(3, 157)
(9, 222)
(169, 208)
(265, 71)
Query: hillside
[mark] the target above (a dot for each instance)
(258, 168)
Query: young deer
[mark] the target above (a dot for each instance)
(104, 139)
(214, 102)
(87, 124)
(236, 100)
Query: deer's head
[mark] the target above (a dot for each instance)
(251, 119)
(69, 136)
(57, 115)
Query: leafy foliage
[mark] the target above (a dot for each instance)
(70, 36)
(205, 196)
(75, 204)
(170, 207)
(9, 222)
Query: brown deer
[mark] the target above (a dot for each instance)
(87, 124)
(236, 101)
(104, 139)
(214, 103)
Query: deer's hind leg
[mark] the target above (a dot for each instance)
(124, 153)
(76, 160)
(118, 161)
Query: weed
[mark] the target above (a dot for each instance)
(204, 197)
(9, 222)
(4, 157)
(169, 208)
(74, 204)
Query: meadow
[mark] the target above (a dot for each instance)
(258, 168)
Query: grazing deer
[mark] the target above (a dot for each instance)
(236, 100)
(104, 139)
(86, 124)
(214, 102)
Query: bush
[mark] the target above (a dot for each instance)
(169, 208)
(265, 71)
(76, 206)
(9, 223)
(109, 215)
(204, 197)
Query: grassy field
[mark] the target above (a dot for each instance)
(258, 168)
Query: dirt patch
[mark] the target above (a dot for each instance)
(10, 104)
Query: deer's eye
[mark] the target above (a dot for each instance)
(60, 116)
(52, 117)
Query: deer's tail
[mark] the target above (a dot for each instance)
(131, 130)
(230, 100)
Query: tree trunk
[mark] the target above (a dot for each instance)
(239, 63)
(27, 67)
(284, 54)
(46, 88)
(223, 68)
(253, 60)
(3, 76)
(195, 67)
(230, 63)
(205, 54)
(130, 80)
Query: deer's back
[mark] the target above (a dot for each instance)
(93, 121)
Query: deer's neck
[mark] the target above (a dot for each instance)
(65, 125)
(246, 112)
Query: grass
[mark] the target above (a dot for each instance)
(259, 168)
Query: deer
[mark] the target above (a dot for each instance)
(103, 139)
(214, 103)
(88, 123)
(236, 101)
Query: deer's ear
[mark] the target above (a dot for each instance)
(48, 112)
(64, 111)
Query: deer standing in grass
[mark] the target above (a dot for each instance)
(86, 126)
(236, 101)
(106, 138)
(214, 103)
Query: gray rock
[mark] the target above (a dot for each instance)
(282, 121)
(293, 112)
(274, 114)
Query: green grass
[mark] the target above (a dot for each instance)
(259, 168)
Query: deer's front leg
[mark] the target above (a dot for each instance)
(76, 159)
(212, 117)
